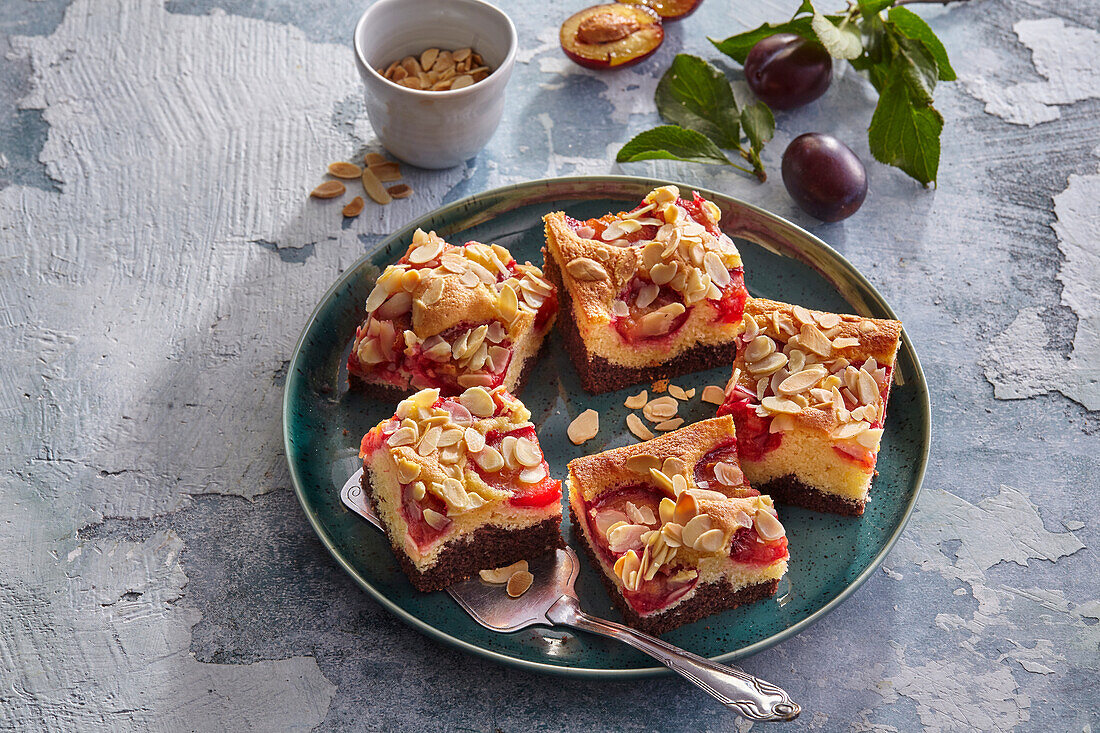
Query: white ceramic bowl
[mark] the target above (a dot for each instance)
(434, 129)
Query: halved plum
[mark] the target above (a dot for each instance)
(668, 9)
(612, 35)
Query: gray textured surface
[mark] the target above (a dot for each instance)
(160, 260)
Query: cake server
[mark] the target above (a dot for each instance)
(552, 601)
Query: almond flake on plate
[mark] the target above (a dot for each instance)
(714, 395)
(584, 427)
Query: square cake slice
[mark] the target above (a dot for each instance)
(674, 527)
(448, 318)
(808, 394)
(461, 485)
(650, 293)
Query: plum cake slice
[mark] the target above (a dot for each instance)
(654, 292)
(461, 485)
(448, 318)
(675, 528)
(808, 394)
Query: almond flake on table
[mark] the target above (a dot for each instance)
(328, 190)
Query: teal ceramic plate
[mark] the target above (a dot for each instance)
(830, 555)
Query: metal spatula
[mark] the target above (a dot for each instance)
(552, 601)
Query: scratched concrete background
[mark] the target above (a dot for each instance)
(160, 259)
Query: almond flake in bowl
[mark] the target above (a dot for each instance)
(437, 70)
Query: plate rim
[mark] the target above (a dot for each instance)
(918, 378)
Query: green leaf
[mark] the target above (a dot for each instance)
(916, 66)
(868, 8)
(738, 47)
(695, 95)
(806, 7)
(670, 142)
(906, 135)
(912, 26)
(841, 43)
(759, 124)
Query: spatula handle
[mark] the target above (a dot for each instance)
(741, 692)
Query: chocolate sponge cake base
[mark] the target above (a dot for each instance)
(485, 548)
(599, 375)
(709, 599)
(789, 490)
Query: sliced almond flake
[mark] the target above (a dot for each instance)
(850, 430)
(769, 364)
(353, 207)
(728, 474)
(435, 520)
(694, 527)
(667, 425)
(344, 170)
(811, 338)
(779, 404)
(758, 348)
(868, 388)
(751, 328)
(827, 320)
(612, 232)
(499, 576)
(519, 583)
(768, 526)
(584, 427)
(845, 342)
(641, 463)
(586, 270)
(713, 394)
(533, 475)
(661, 408)
(638, 428)
(400, 191)
(716, 269)
(433, 292)
(762, 388)
(870, 438)
(638, 212)
(802, 315)
(647, 294)
(387, 171)
(375, 189)
(781, 423)
(801, 381)
(328, 190)
(677, 392)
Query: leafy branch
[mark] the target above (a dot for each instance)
(900, 55)
(697, 101)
